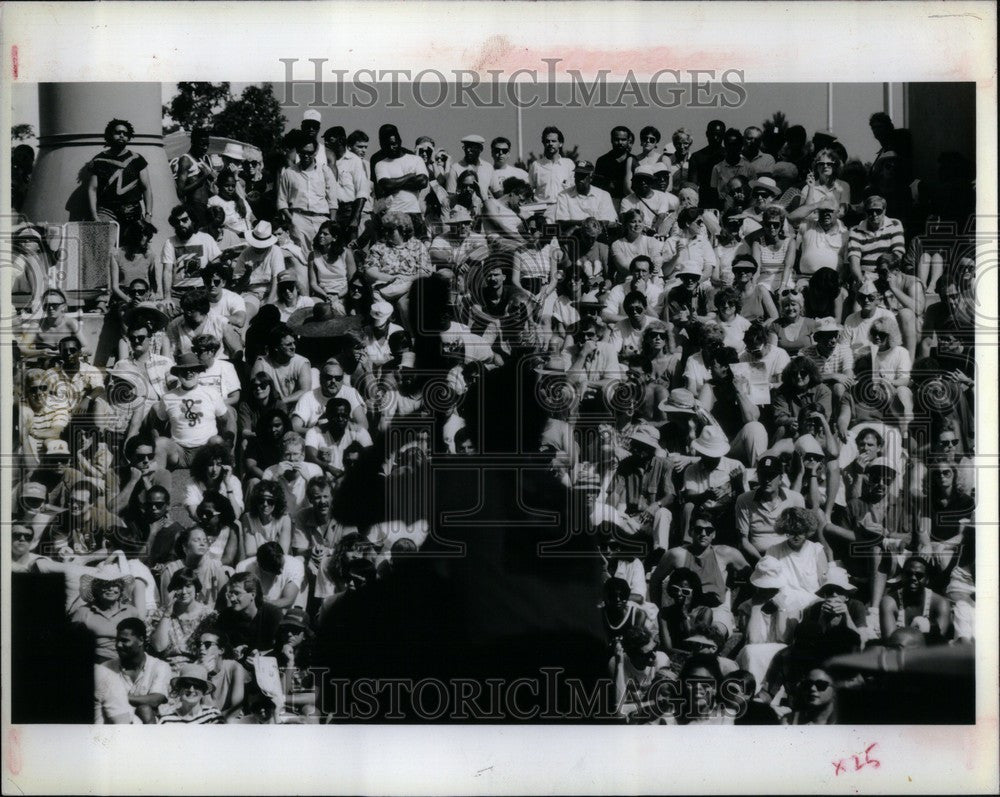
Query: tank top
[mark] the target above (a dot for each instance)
(707, 568)
(772, 263)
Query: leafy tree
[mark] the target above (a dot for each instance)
(21, 132)
(195, 104)
(254, 118)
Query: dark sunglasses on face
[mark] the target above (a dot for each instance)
(23, 536)
(216, 282)
(948, 441)
(156, 504)
(39, 388)
(206, 644)
(501, 150)
(790, 292)
(266, 501)
(703, 530)
(865, 298)
(820, 684)
(139, 291)
(874, 211)
(138, 338)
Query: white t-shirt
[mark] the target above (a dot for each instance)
(185, 259)
(393, 168)
(311, 406)
(292, 572)
(322, 441)
(505, 173)
(549, 177)
(221, 376)
(295, 489)
(192, 414)
(229, 303)
(657, 203)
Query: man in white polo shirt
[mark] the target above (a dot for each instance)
(823, 239)
(552, 173)
(310, 407)
(472, 146)
(583, 201)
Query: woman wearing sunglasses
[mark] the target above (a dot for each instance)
(775, 250)
(217, 518)
(815, 700)
(266, 519)
(823, 182)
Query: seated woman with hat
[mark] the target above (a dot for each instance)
(756, 303)
(190, 689)
(104, 593)
(259, 265)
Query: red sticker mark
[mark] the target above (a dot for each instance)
(859, 762)
(13, 60)
(14, 751)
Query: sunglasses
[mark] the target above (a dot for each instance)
(790, 292)
(819, 683)
(139, 291)
(703, 530)
(684, 591)
(774, 224)
(39, 389)
(204, 644)
(156, 504)
(662, 335)
(143, 457)
(441, 158)
(188, 371)
(824, 163)
(654, 139)
(762, 193)
(501, 150)
(874, 211)
(865, 298)
(23, 536)
(334, 377)
(266, 501)
(216, 282)
(138, 338)
(950, 441)
(728, 303)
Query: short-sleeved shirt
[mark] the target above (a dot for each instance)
(192, 414)
(294, 375)
(152, 679)
(699, 479)
(857, 327)
(221, 376)
(186, 259)
(323, 441)
(110, 697)
(229, 303)
(869, 245)
(292, 572)
(549, 177)
(311, 406)
(820, 249)
(118, 181)
(181, 336)
(403, 201)
(755, 519)
(104, 626)
(571, 205)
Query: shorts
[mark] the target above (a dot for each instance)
(184, 456)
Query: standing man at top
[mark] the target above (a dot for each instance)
(760, 162)
(502, 169)
(702, 161)
(400, 177)
(118, 188)
(310, 125)
(472, 146)
(307, 193)
(613, 170)
(195, 177)
(352, 181)
(552, 173)
(733, 164)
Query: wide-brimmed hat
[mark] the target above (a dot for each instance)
(680, 400)
(262, 236)
(185, 361)
(234, 151)
(883, 464)
(193, 672)
(322, 321)
(689, 269)
(148, 312)
(700, 639)
(380, 313)
(807, 445)
(711, 442)
(459, 215)
(126, 371)
(766, 183)
(836, 579)
(767, 573)
(104, 573)
(828, 324)
(647, 434)
(827, 203)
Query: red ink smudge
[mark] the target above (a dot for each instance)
(14, 751)
(13, 60)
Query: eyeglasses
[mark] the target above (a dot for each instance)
(217, 282)
(658, 335)
(874, 211)
(138, 338)
(948, 441)
(78, 502)
(156, 504)
(819, 683)
(727, 303)
(501, 150)
(865, 298)
(39, 388)
(187, 372)
(703, 530)
(762, 193)
(683, 591)
(334, 377)
(205, 644)
(790, 292)
(143, 457)
(23, 536)
(266, 501)
(654, 139)
(824, 163)
(441, 158)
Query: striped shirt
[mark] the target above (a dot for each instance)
(868, 246)
(205, 715)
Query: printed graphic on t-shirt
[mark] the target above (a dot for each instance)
(187, 260)
(192, 413)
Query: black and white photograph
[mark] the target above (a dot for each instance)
(546, 394)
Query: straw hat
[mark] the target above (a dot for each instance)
(262, 236)
(767, 574)
(104, 573)
(193, 672)
(767, 183)
(321, 321)
(646, 434)
(680, 400)
(234, 151)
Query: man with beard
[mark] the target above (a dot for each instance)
(613, 170)
(184, 255)
(118, 187)
(550, 174)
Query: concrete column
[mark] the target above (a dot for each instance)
(72, 118)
